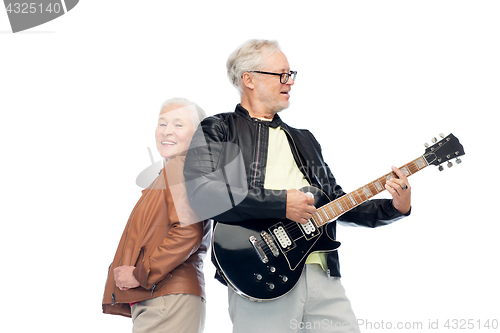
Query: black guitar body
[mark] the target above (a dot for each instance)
(263, 259)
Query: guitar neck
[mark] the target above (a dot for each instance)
(334, 209)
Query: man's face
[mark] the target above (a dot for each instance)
(270, 92)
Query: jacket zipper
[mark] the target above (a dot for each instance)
(113, 297)
(156, 284)
(258, 153)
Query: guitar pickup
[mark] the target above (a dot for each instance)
(263, 257)
(281, 235)
(309, 229)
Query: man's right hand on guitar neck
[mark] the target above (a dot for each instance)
(299, 206)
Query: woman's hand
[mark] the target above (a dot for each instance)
(124, 277)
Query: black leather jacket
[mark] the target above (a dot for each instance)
(225, 171)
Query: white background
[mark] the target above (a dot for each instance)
(79, 97)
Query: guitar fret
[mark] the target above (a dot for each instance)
(366, 190)
(332, 210)
(348, 201)
(352, 200)
(324, 216)
(331, 215)
(410, 167)
(420, 163)
(339, 206)
(378, 186)
(360, 195)
(415, 167)
(405, 170)
(344, 203)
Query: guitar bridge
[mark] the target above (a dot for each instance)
(263, 257)
(270, 243)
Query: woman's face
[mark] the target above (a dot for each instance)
(175, 130)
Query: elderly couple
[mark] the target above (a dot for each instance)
(156, 276)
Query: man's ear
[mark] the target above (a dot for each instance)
(247, 80)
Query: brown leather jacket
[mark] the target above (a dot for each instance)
(164, 240)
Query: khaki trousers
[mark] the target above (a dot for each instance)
(180, 313)
(317, 304)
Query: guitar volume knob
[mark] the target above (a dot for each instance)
(258, 277)
(270, 285)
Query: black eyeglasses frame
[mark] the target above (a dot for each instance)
(283, 76)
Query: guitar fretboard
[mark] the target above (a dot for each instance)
(334, 209)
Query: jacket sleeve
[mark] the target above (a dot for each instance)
(183, 238)
(216, 179)
(372, 213)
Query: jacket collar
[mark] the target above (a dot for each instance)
(244, 113)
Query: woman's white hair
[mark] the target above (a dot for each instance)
(248, 57)
(197, 118)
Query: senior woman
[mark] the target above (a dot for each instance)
(157, 273)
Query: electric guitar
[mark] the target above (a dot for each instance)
(263, 259)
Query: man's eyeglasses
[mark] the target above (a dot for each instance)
(283, 76)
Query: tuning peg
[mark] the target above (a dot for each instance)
(440, 168)
(441, 135)
(434, 140)
(426, 145)
(458, 160)
(449, 165)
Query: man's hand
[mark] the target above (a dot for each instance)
(299, 206)
(400, 190)
(124, 277)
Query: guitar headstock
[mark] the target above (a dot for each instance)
(443, 151)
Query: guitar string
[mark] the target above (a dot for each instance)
(294, 232)
(293, 229)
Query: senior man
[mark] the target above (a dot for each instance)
(275, 161)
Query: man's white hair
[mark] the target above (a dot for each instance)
(248, 57)
(197, 118)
